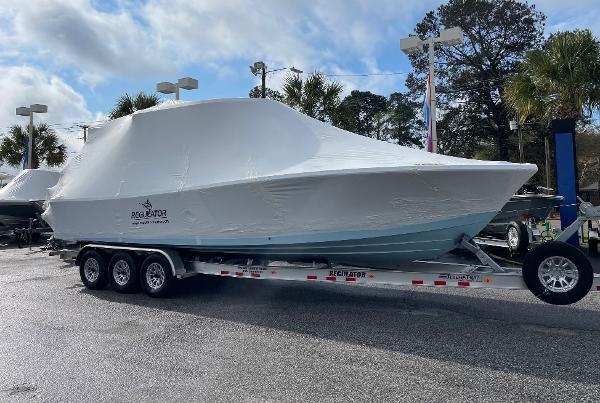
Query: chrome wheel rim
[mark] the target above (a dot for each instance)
(91, 270)
(155, 276)
(121, 272)
(558, 274)
(513, 237)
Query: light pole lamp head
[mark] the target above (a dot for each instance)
(295, 70)
(23, 111)
(259, 66)
(166, 88)
(410, 45)
(187, 83)
(452, 36)
(38, 108)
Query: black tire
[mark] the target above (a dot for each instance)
(92, 270)
(156, 276)
(517, 238)
(547, 256)
(123, 272)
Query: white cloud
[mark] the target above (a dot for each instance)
(25, 85)
(564, 16)
(157, 36)
(74, 33)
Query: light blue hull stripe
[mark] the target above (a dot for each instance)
(369, 247)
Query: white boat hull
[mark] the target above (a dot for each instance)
(375, 218)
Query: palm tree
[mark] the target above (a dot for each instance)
(562, 80)
(46, 147)
(127, 104)
(316, 96)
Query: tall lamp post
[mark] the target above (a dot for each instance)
(25, 111)
(260, 68)
(187, 83)
(414, 44)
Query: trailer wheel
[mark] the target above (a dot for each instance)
(558, 273)
(517, 238)
(92, 270)
(123, 272)
(156, 276)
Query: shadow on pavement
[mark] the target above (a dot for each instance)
(519, 337)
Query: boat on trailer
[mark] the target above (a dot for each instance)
(21, 200)
(253, 189)
(253, 178)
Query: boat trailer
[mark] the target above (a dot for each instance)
(555, 272)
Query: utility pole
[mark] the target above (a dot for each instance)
(261, 68)
(414, 44)
(84, 127)
(516, 125)
(263, 91)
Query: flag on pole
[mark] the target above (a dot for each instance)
(427, 115)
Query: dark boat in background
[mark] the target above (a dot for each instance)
(23, 197)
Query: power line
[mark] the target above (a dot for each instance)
(394, 73)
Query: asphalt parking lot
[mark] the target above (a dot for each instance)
(244, 340)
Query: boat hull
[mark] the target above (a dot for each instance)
(377, 218)
(16, 214)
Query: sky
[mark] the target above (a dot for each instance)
(79, 56)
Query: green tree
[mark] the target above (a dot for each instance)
(362, 112)
(46, 146)
(127, 104)
(497, 35)
(561, 80)
(256, 92)
(588, 154)
(315, 96)
(402, 123)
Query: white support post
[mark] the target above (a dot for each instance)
(434, 140)
(30, 150)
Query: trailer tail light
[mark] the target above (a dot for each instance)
(330, 278)
(311, 277)
(417, 282)
(439, 282)
(464, 283)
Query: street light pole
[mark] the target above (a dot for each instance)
(25, 111)
(30, 147)
(414, 44)
(434, 139)
(187, 83)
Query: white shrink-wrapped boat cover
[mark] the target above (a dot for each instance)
(29, 185)
(177, 148)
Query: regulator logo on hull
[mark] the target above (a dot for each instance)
(149, 215)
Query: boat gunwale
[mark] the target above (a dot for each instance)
(525, 168)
